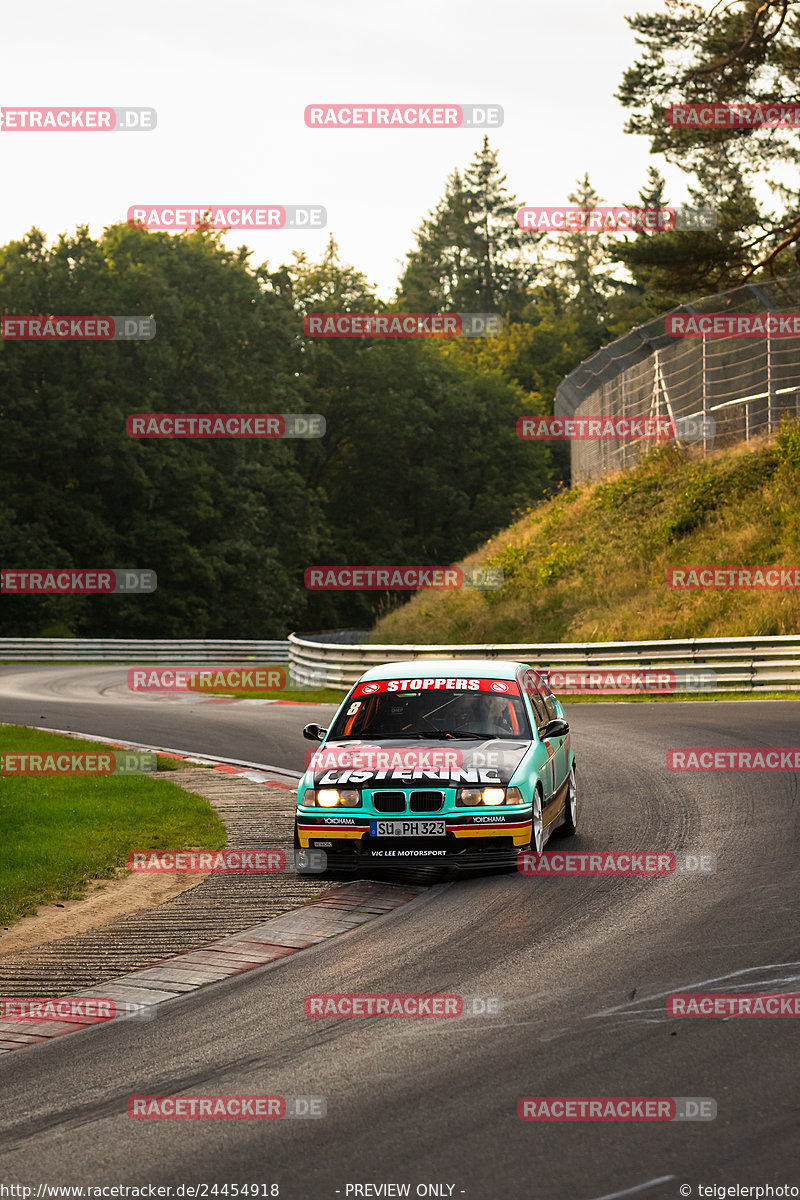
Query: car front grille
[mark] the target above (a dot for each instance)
(389, 802)
(426, 801)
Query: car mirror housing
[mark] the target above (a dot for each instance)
(555, 728)
(314, 732)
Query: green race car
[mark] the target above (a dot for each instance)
(463, 762)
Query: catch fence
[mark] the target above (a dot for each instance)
(727, 388)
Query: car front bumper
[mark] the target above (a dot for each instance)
(465, 840)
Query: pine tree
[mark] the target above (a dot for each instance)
(581, 263)
(470, 254)
(742, 51)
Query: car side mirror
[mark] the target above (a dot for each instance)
(555, 728)
(314, 732)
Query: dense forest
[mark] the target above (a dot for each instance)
(420, 462)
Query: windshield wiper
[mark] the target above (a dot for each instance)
(455, 733)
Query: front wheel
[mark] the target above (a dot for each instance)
(308, 862)
(570, 807)
(537, 825)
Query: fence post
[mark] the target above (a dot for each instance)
(770, 385)
(604, 454)
(704, 384)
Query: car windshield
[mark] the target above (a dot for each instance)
(441, 714)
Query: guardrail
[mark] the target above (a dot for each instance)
(739, 664)
(130, 650)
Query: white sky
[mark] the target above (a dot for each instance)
(230, 82)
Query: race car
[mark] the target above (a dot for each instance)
(455, 761)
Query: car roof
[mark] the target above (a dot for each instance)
(438, 668)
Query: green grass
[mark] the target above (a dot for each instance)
(58, 832)
(590, 564)
(165, 763)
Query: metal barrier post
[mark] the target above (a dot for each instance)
(770, 384)
(705, 395)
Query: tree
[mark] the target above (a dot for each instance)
(421, 461)
(742, 51)
(670, 266)
(470, 254)
(230, 526)
(226, 525)
(328, 285)
(580, 262)
(433, 280)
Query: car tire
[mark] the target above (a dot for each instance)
(537, 826)
(570, 806)
(302, 859)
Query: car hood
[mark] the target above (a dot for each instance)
(454, 762)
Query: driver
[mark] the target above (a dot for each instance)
(484, 714)
(497, 719)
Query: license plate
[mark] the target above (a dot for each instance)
(407, 828)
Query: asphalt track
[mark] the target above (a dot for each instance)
(583, 965)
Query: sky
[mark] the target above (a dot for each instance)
(230, 82)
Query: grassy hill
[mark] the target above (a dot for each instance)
(590, 564)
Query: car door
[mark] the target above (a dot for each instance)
(550, 781)
(560, 745)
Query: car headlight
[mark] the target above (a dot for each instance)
(333, 798)
(490, 796)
